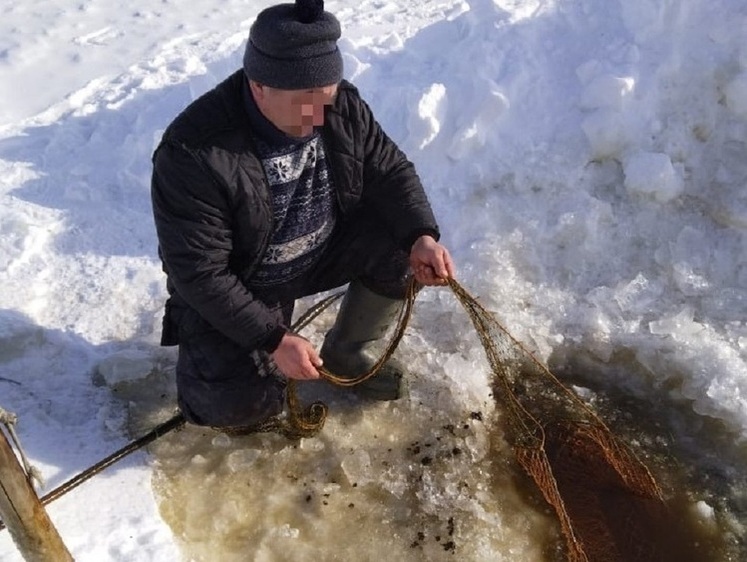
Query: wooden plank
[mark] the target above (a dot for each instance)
(23, 514)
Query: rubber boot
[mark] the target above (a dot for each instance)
(363, 320)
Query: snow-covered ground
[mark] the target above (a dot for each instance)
(587, 160)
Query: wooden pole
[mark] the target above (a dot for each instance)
(23, 513)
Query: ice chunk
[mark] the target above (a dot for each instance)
(639, 295)
(705, 514)
(606, 132)
(354, 67)
(652, 175)
(357, 467)
(286, 531)
(199, 460)
(125, 366)
(313, 444)
(606, 91)
(221, 441)
(242, 459)
(689, 280)
(393, 42)
(681, 325)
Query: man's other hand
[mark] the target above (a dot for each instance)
(430, 262)
(296, 358)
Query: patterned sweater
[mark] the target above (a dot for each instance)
(303, 201)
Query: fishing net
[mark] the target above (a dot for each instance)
(608, 504)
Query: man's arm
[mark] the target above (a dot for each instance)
(192, 216)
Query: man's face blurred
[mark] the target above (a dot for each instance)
(295, 112)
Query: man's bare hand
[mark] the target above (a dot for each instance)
(296, 358)
(430, 262)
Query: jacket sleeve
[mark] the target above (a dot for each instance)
(392, 185)
(192, 215)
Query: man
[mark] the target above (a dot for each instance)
(278, 184)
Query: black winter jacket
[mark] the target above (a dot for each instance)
(212, 206)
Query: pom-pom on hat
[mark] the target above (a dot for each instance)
(294, 47)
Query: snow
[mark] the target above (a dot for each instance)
(586, 161)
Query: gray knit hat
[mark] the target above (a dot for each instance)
(294, 46)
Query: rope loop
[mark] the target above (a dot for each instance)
(306, 423)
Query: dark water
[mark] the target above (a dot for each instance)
(698, 462)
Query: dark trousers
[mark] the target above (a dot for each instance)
(222, 384)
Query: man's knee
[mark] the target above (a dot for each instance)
(391, 277)
(223, 385)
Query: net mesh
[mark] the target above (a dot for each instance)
(608, 503)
